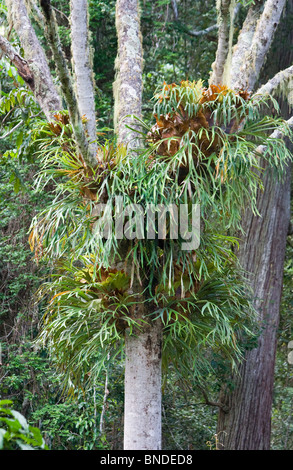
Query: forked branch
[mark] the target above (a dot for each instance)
(254, 42)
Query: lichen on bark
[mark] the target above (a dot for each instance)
(129, 62)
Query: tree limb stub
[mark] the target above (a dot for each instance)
(19, 62)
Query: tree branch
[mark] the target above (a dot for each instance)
(276, 82)
(51, 33)
(212, 403)
(43, 87)
(175, 9)
(275, 135)
(19, 62)
(82, 67)
(254, 43)
(20, 123)
(225, 22)
(202, 32)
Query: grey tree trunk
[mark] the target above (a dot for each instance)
(82, 67)
(142, 407)
(142, 412)
(129, 64)
(246, 422)
(42, 83)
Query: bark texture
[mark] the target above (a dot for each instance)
(51, 32)
(255, 43)
(19, 62)
(278, 82)
(129, 62)
(142, 407)
(244, 42)
(82, 67)
(225, 19)
(142, 413)
(43, 87)
(246, 424)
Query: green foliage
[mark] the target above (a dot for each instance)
(29, 377)
(213, 136)
(16, 432)
(87, 314)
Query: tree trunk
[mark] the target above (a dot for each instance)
(225, 20)
(261, 33)
(52, 36)
(142, 412)
(128, 83)
(247, 423)
(82, 67)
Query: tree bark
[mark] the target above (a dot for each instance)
(280, 80)
(19, 62)
(244, 42)
(142, 406)
(51, 33)
(129, 63)
(142, 412)
(254, 56)
(225, 20)
(246, 422)
(82, 67)
(43, 87)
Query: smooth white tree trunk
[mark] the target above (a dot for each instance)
(82, 67)
(253, 46)
(129, 64)
(142, 408)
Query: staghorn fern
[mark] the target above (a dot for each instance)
(203, 150)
